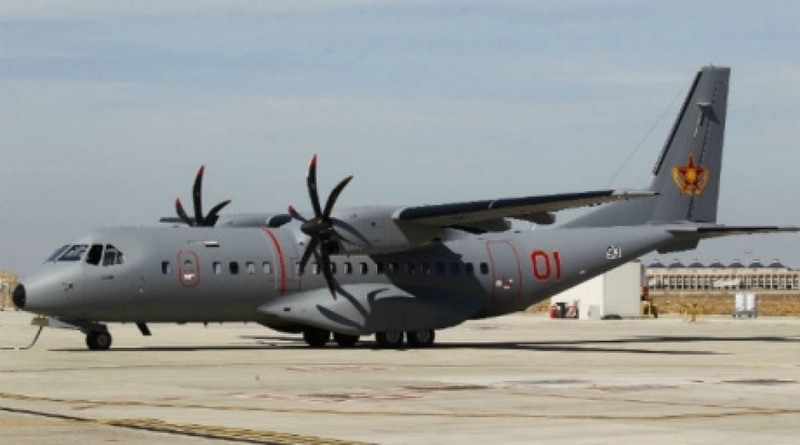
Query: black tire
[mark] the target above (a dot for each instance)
(98, 341)
(390, 339)
(345, 340)
(315, 337)
(421, 339)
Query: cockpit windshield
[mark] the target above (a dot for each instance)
(98, 254)
(58, 252)
(73, 253)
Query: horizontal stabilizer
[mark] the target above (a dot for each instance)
(704, 232)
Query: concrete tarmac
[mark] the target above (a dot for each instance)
(515, 379)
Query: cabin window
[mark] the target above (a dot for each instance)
(484, 269)
(250, 267)
(379, 268)
(315, 268)
(347, 268)
(267, 267)
(425, 269)
(410, 267)
(233, 267)
(216, 266)
(297, 268)
(95, 254)
(455, 268)
(440, 269)
(363, 268)
(469, 269)
(165, 267)
(333, 267)
(393, 268)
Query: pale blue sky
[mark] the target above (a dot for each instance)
(108, 108)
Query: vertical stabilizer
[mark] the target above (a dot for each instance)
(686, 175)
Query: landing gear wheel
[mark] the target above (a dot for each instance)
(390, 339)
(315, 337)
(421, 339)
(98, 341)
(345, 340)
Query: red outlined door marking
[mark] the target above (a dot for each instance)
(280, 267)
(506, 271)
(188, 268)
(284, 271)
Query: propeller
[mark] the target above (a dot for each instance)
(320, 228)
(197, 198)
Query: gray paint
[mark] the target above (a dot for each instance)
(185, 275)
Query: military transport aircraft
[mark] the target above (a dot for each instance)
(399, 273)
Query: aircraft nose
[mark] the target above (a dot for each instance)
(19, 296)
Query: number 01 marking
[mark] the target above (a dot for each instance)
(546, 265)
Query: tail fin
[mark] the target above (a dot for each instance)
(687, 173)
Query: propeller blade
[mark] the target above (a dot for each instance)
(311, 180)
(197, 196)
(182, 213)
(334, 196)
(213, 215)
(296, 215)
(325, 262)
(312, 246)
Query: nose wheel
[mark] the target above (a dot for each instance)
(98, 341)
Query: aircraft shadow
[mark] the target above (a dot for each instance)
(613, 346)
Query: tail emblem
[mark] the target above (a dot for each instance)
(691, 179)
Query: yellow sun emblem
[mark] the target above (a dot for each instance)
(691, 179)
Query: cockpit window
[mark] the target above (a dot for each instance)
(57, 253)
(108, 255)
(95, 253)
(112, 256)
(73, 253)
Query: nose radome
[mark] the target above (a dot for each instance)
(19, 297)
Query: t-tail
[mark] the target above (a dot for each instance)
(686, 175)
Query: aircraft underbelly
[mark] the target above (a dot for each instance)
(365, 308)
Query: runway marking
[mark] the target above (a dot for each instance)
(184, 429)
(724, 413)
(25, 423)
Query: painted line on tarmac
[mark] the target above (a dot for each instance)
(183, 429)
(722, 412)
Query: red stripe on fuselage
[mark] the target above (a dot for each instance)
(281, 260)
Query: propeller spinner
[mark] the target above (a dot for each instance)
(320, 228)
(197, 197)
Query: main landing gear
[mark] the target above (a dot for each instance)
(317, 338)
(98, 341)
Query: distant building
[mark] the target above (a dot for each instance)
(717, 276)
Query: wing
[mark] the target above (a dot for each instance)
(484, 215)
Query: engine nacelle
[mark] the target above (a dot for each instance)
(254, 220)
(373, 230)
